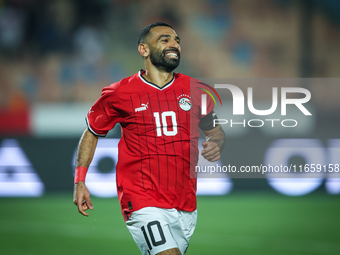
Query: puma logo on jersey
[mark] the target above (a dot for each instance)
(142, 108)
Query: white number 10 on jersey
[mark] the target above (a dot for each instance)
(159, 127)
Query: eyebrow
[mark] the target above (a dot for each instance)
(168, 36)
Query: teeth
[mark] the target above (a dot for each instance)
(172, 54)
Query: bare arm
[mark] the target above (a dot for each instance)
(214, 144)
(86, 148)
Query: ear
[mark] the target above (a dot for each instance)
(144, 50)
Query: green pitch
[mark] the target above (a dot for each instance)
(234, 224)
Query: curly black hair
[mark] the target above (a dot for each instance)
(146, 30)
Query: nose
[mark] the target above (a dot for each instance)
(174, 44)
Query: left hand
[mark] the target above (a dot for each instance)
(81, 198)
(211, 151)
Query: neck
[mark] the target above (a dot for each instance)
(157, 76)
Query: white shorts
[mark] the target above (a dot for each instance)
(155, 229)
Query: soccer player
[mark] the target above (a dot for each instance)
(160, 115)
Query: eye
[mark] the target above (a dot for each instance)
(165, 40)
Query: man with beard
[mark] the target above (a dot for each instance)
(160, 118)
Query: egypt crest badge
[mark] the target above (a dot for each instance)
(185, 103)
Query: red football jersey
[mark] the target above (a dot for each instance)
(158, 148)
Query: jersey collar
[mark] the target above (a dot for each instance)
(154, 85)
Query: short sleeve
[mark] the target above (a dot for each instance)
(102, 116)
(207, 103)
(202, 95)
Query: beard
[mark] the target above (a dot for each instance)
(161, 61)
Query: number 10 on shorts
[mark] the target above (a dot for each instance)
(154, 228)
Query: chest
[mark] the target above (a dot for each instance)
(166, 112)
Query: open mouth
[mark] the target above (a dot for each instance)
(172, 54)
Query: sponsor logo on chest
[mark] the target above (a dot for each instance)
(142, 108)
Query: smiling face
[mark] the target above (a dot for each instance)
(165, 51)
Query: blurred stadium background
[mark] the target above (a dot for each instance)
(56, 55)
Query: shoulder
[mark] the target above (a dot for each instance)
(121, 86)
(196, 86)
(185, 78)
(182, 77)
